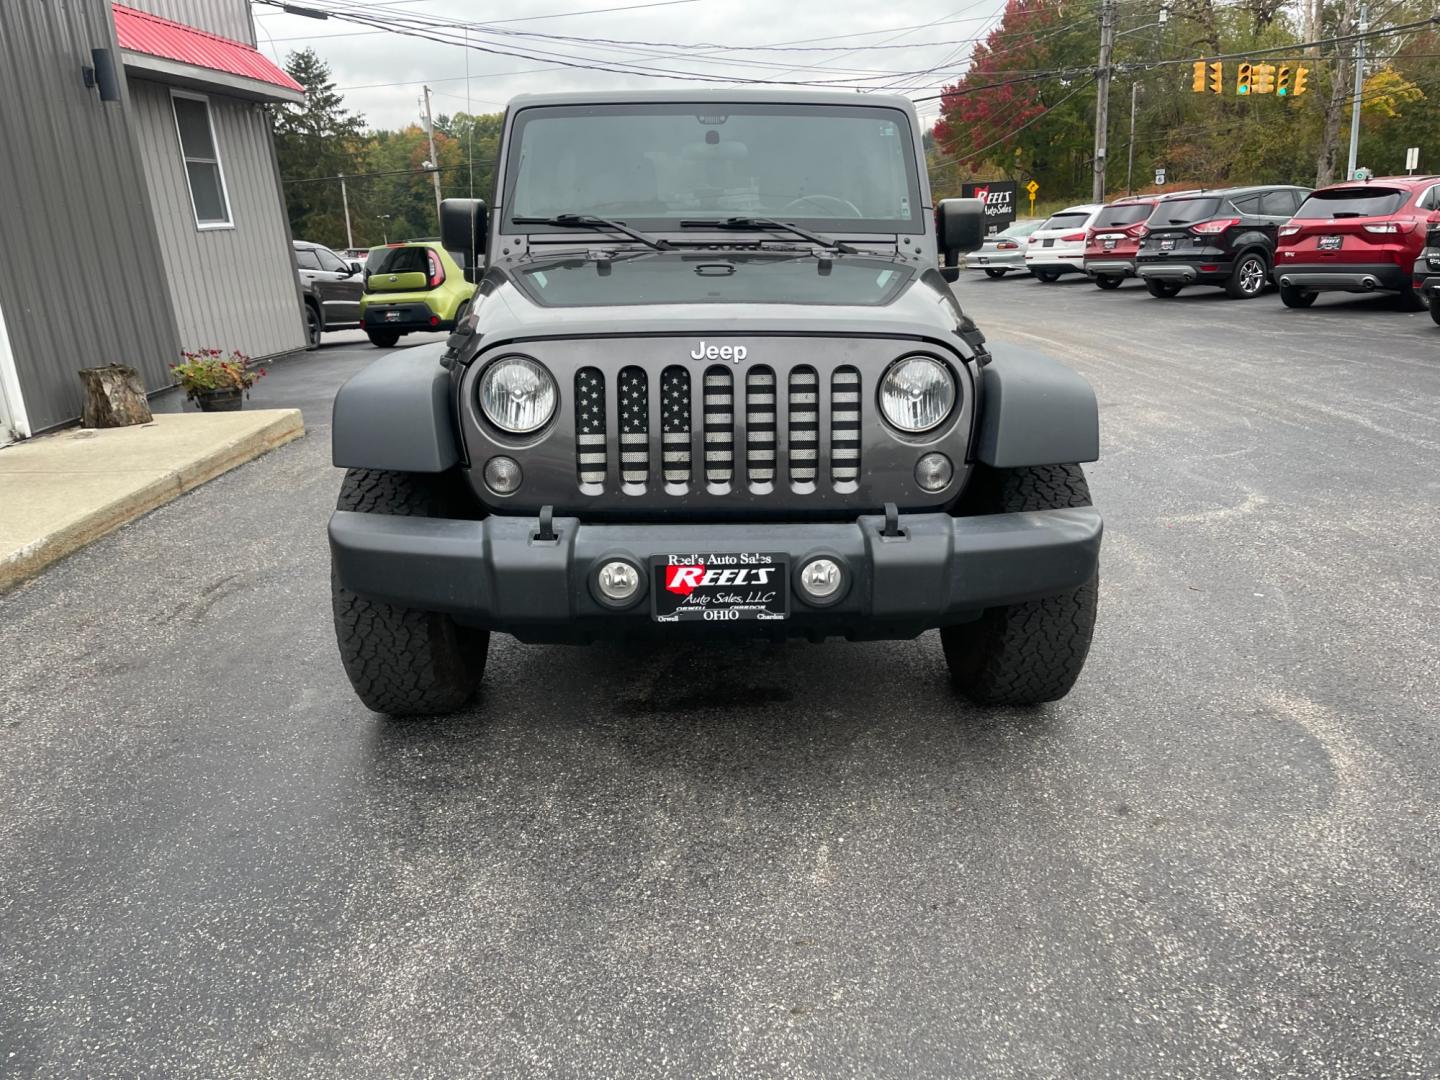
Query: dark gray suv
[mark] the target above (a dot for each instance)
(713, 382)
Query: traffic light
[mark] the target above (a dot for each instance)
(1282, 81)
(1262, 79)
(1217, 78)
(1242, 79)
(1300, 73)
(1198, 85)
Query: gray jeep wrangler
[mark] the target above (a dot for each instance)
(713, 382)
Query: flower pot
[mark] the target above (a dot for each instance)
(220, 400)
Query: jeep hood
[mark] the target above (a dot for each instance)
(715, 292)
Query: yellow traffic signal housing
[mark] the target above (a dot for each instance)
(1217, 78)
(1242, 79)
(1282, 81)
(1198, 84)
(1300, 73)
(1262, 79)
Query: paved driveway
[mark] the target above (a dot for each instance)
(1216, 858)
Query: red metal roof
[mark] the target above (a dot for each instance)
(139, 31)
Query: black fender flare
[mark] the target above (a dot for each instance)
(397, 415)
(1034, 411)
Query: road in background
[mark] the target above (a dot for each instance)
(1217, 857)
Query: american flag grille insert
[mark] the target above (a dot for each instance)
(760, 425)
(804, 412)
(845, 425)
(634, 405)
(675, 424)
(719, 404)
(590, 425)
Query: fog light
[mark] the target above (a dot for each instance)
(502, 475)
(821, 578)
(933, 472)
(618, 581)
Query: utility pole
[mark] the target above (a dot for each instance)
(345, 199)
(434, 161)
(1102, 96)
(1355, 102)
(1130, 160)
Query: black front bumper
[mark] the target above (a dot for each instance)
(498, 572)
(1332, 277)
(403, 317)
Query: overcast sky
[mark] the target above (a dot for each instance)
(361, 58)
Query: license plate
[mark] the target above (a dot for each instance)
(1048, 243)
(392, 316)
(720, 586)
(1329, 243)
(1167, 245)
(1109, 243)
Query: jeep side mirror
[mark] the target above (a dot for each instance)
(462, 232)
(959, 227)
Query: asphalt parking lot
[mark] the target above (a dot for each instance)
(1219, 857)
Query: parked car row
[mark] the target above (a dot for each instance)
(401, 288)
(1359, 236)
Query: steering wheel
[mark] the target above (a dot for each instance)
(851, 209)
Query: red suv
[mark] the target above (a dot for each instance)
(1115, 237)
(1357, 237)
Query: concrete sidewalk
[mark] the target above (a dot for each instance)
(59, 492)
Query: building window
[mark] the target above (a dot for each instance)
(202, 161)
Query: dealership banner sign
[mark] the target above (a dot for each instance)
(999, 199)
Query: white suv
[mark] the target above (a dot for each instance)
(1058, 246)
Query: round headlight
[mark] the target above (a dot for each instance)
(917, 393)
(518, 395)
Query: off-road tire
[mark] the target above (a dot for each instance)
(401, 661)
(1435, 307)
(1294, 297)
(1108, 281)
(1162, 290)
(1411, 298)
(383, 339)
(990, 272)
(1247, 279)
(1031, 652)
(314, 327)
(1047, 276)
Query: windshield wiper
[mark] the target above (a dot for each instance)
(590, 221)
(771, 223)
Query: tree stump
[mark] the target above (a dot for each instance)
(114, 397)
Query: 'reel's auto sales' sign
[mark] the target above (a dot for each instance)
(999, 199)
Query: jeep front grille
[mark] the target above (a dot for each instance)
(777, 418)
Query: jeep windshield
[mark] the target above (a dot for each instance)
(832, 168)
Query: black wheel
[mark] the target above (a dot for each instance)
(1163, 289)
(1435, 307)
(1047, 276)
(401, 661)
(1410, 299)
(1028, 653)
(314, 327)
(992, 273)
(384, 339)
(1108, 281)
(1247, 279)
(1292, 296)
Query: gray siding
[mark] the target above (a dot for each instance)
(81, 282)
(232, 288)
(228, 18)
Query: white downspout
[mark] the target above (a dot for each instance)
(13, 422)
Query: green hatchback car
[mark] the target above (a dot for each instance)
(409, 287)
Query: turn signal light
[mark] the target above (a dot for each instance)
(1384, 227)
(1289, 230)
(1006, 245)
(1214, 228)
(1139, 231)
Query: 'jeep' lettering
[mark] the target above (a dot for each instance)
(733, 353)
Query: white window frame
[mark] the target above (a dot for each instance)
(203, 226)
